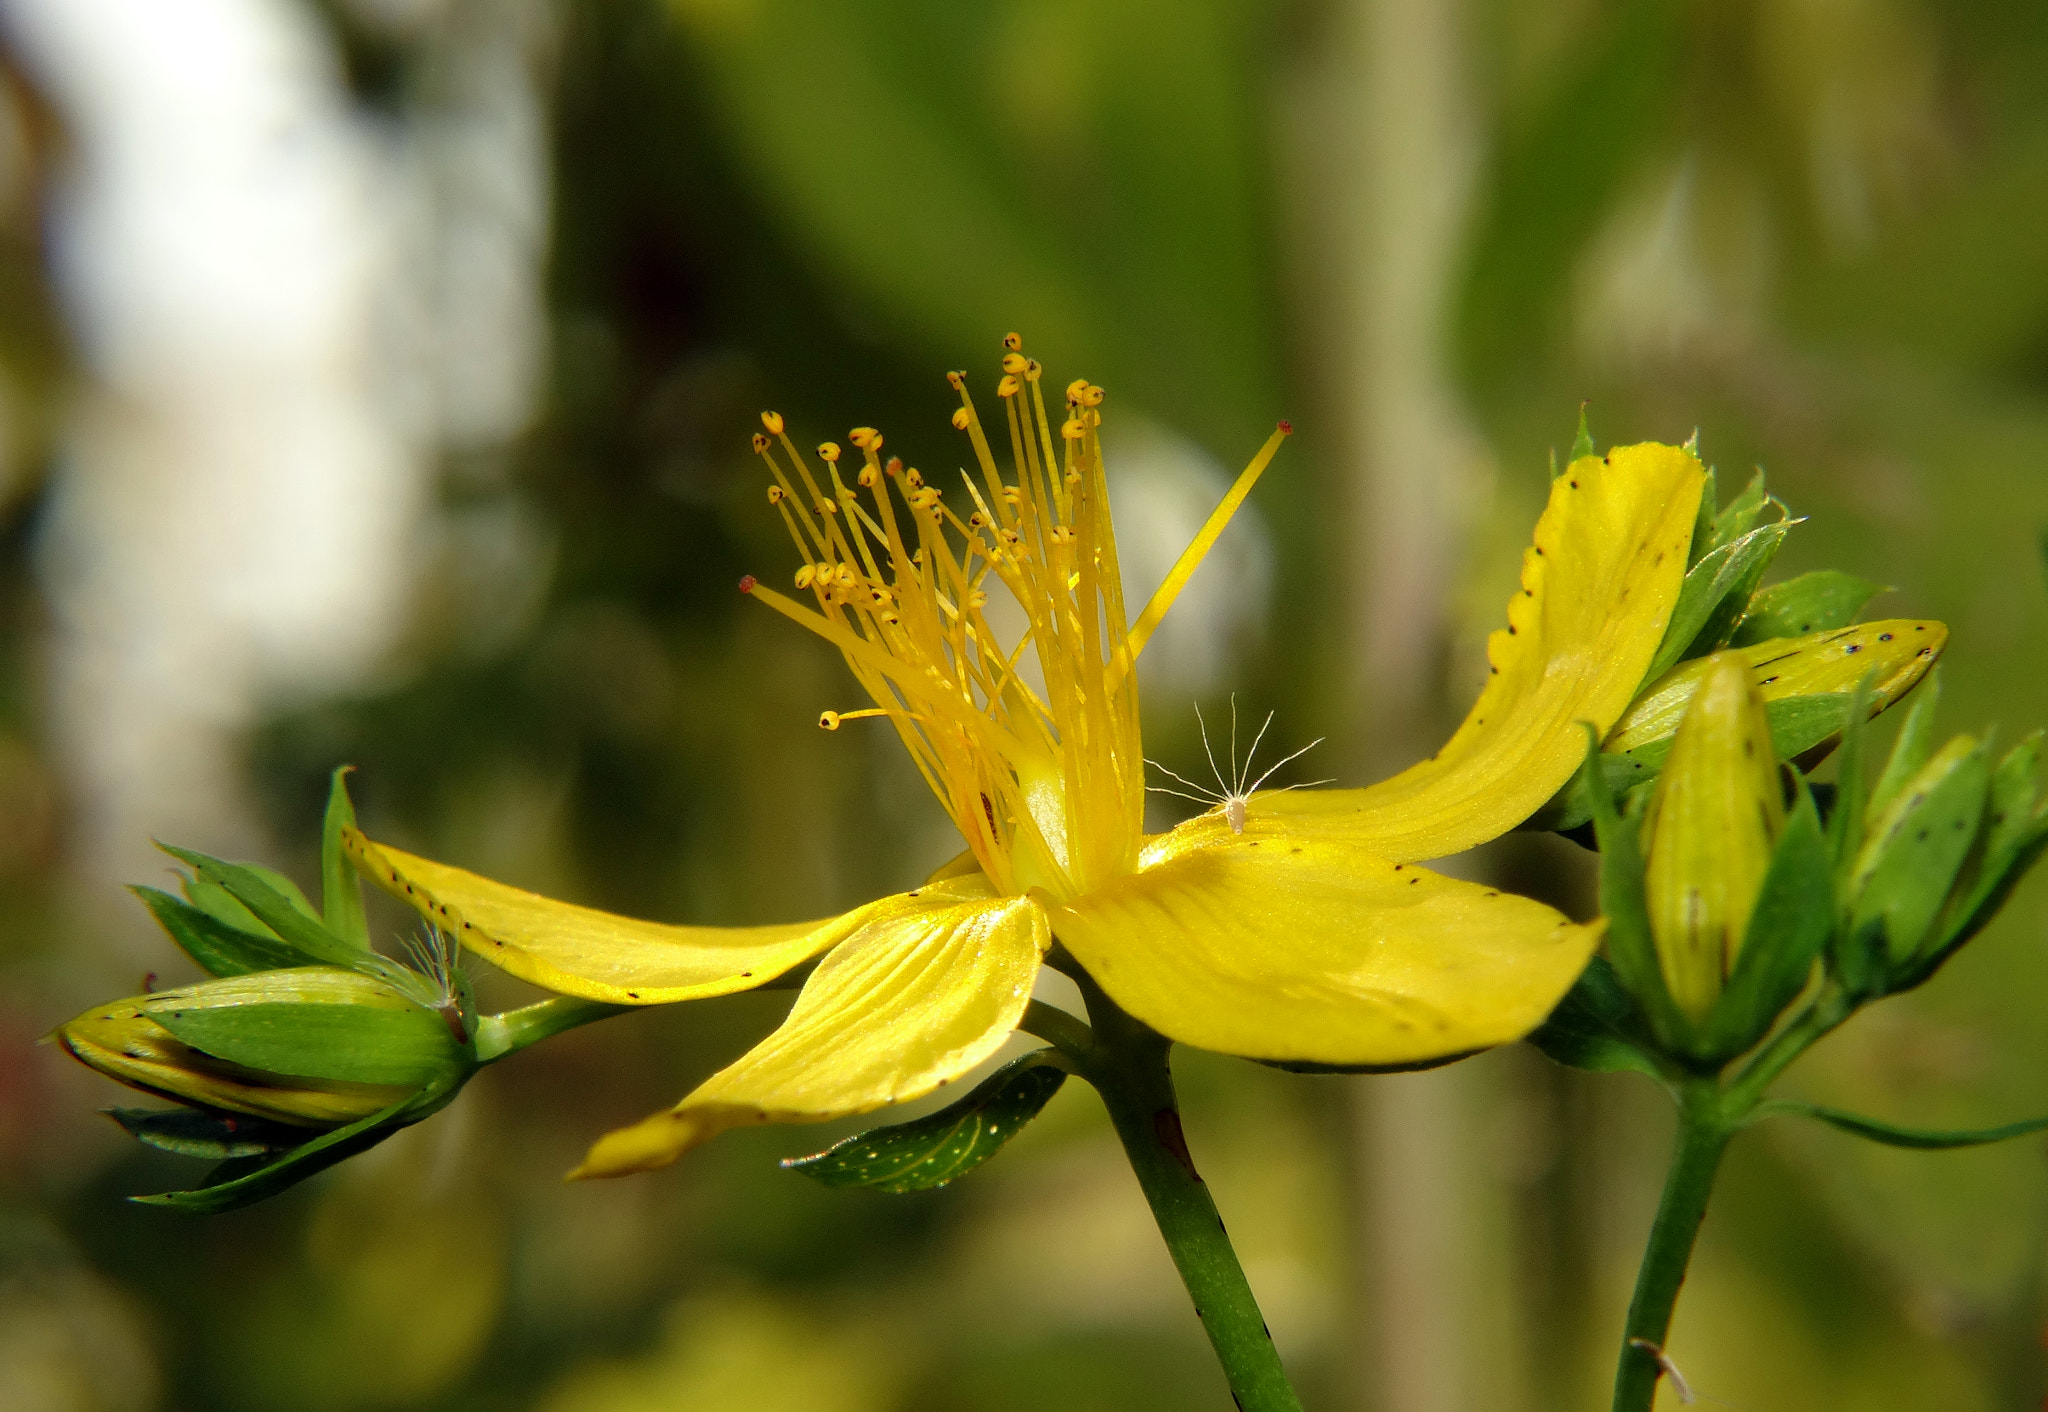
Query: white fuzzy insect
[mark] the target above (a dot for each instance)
(1232, 795)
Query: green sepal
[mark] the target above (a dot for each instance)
(1788, 929)
(1624, 904)
(218, 903)
(218, 948)
(1582, 444)
(1904, 873)
(1703, 521)
(1845, 821)
(1910, 751)
(2012, 841)
(201, 1132)
(1742, 513)
(1891, 1134)
(341, 892)
(1821, 601)
(1596, 1026)
(245, 1180)
(931, 1151)
(279, 906)
(312, 1022)
(1715, 593)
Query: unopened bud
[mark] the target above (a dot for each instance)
(1709, 834)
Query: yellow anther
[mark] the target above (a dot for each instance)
(1092, 397)
(1009, 537)
(772, 421)
(1062, 534)
(924, 497)
(1015, 363)
(1008, 386)
(776, 495)
(844, 576)
(957, 379)
(977, 599)
(1013, 495)
(976, 520)
(828, 720)
(823, 570)
(1073, 429)
(1073, 477)
(961, 419)
(869, 477)
(1032, 370)
(829, 450)
(826, 507)
(882, 596)
(760, 443)
(889, 616)
(806, 576)
(912, 479)
(1014, 342)
(866, 438)
(1075, 389)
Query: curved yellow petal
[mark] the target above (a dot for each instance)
(1318, 951)
(602, 956)
(1598, 586)
(901, 1007)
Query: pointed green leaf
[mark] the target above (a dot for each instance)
(217, 948)
(311, 1022)
(934, 1150)
(1596, 1026)
(1891, 1134)
(1703, 523)
(1817, 602)
(194, 1132)
(1582, 444)
(1743, 512)
(1715, 593)
(281, 908)
(1788, 930)
(341, 892)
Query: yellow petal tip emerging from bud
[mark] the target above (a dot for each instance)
(1710, 832)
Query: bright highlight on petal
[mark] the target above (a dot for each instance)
(597, 955)
(1321, 952)
(1598, 586)
(901, 1007)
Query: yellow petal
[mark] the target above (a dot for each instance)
(901, 1007)
(1319, 951)
(601, 956)
(1598, 586)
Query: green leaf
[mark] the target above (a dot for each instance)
(194, 1132)
(1892, 1135)
(934, 1150)
(1909, 752)
(218, 948)
(1714, 594)
(1596, 1026)
(1788, 930)
(1817, 602)
(312, 1022)
(1623, 903)
(1743, 512)
(341, 892)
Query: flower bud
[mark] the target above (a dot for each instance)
(1709, 835)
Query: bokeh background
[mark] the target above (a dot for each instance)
(375, 385)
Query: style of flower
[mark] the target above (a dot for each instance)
(1311, 936)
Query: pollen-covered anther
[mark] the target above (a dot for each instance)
(776, 495)
(806, 576)
(829, 450)
(977, 520)
(826, 507)
(1032, 370)
(1008, 387)
(760, 443)
(1073, 429)
(1013, 495)
(869, 477)
(1009, 537)
(828, 720)
(1074, 391)
(1062, 534)
(866, 438)
(844, 576)
(958, 379)
(772, 421)
(1014, 342)
(1015, 363)
(914, 478)
(882, 596)
(924, 497)
(1091, 396)
(977, 599)
(961, 421)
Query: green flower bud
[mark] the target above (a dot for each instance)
(1709, 835)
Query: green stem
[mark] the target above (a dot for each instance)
(1128, 1064)
(1703, 1133)
(512, 1030)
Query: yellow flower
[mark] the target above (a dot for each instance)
(1308, 935)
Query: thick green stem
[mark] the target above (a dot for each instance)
(1703, 1133)
(512, 1030)
(1128, 1066)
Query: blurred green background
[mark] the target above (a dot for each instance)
(375, 385)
